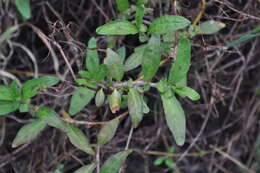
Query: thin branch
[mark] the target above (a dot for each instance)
(67, 118)
(201, 13)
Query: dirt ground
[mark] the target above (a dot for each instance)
(223, 127)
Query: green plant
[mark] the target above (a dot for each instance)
(168, 161)
(108, 78)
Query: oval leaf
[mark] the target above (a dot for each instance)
(86, 169)
(114, 101)
(92, 59)
(135, 106)
(100, 98)
(135, 59)
(210, 27)
(168, 23)
(78, 139)
(7, 93)
(51, 118)
(80, 98)
(175, 117)
(117, 28)
(107, 132)
(140, 11)
(181, 65)
(7, 107)
(115, 162)
(187, 92)
(114, 64)
(122, 5)
(28, 132)
(24, 8)
(33, 86)
(8, 32)
(152, 57)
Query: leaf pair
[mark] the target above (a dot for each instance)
(24, 8)
(12, 98)
(49, 117)
(95, 72)
(111, 165)
(76, 136)
(9, 98)
(161, 25)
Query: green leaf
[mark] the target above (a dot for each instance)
(86, 169)
(33, 86)
(7, 107)
(85, 74)
(159, 161)
(59, 168)
(162, 86)
(52, 118)
(140, 10)
(121, 52)
(115, 162)
(92, 59)
(28, 132)
(24, 107)
(210, 27)
(24, 8)
(169, 162)
(107, 132)
(245, 37)
(175, 117)
(142, 37)
(85, 82)
(146, 109)
(122, 5)
(8, 32)
(187, 92)
(135, 106)
(80, 98)
(101, 74)
(114, 64)
(168, 23)
(8, 93)
(114, 101)
(135, 59)
(78, 139)
(141, 2)
(100, 98)
(152, 57)
(181, 65)
(119, 27)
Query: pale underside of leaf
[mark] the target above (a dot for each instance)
(81, 97)
(86, 169)
(78, 139)
(175, 116)
(135, 106)
(107, 132)
(114, 64)
(28, 132)
(115, 162)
